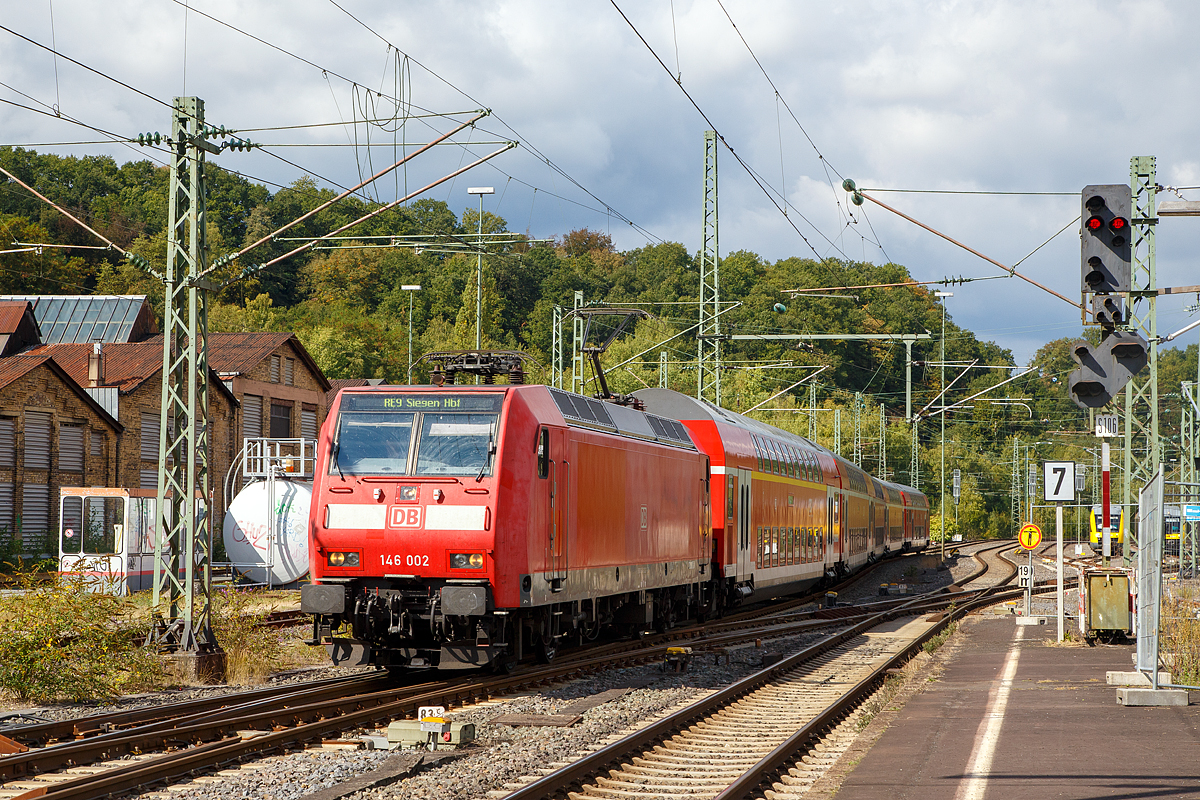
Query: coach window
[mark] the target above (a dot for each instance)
(793, 458)
(729, 492)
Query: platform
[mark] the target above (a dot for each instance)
(1013, 716)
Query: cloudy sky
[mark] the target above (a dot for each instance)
(1005, 109)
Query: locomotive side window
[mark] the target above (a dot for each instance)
(543, 453)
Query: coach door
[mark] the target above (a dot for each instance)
(744, 526)
(558, 530)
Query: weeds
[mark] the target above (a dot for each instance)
(1180, 635)
(59, 642)
(937, 641)
(879, 701)
(252, 652)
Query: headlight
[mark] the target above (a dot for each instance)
(466, 561)
(343, 559)
(408, 493)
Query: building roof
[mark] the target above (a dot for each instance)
(126, 366)
(337, 384)
(91, 318)
(233, 354)
(18, 327)
(13, 368)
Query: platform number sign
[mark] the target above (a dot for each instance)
(1059, 481)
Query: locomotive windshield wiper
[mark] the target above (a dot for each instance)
(487, 458)
(337, 457)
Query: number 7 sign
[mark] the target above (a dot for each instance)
(1059, 480)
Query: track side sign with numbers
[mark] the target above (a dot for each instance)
(1059, 481)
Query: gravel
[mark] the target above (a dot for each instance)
(12, 714)
(502, 754)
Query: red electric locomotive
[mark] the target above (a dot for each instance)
(460, 526)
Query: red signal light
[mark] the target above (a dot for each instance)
(1094, 224)
(1117, 224)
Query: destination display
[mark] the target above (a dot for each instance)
(373, 401)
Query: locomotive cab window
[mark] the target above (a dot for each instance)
(417, 434)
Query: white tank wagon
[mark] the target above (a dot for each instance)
(266, 532)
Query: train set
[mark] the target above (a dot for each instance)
(464, 526)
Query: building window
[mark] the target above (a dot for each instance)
(289, 371)
(37, 440)
(150, 426)
(308, 422)
(251, 416)
(8, 443)
(281, 421)
(35, 517)
(97, 444)
(275, 369)
(70, 448)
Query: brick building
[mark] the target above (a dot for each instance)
(131, 380)
(281, 389)
(94, 364)
(52, 434)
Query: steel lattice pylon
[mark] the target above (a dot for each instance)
(1143, 446)
(708, 340)
(1189, 474)
(858, 443)
(184, 481)
(1015, 486)
(914, 468)
(577, 347)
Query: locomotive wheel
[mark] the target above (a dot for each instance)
(547, 649)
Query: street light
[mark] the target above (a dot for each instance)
(481, 191)
(412, 289)
(943, 415)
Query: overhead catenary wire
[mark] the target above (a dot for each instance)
(1010, 270)
(531, 148)
(749, 171)
(349, 191)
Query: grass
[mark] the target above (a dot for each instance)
(937, 641)
(59, 642)
(1179, 631)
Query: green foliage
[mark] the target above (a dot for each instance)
(59, 642)
(931, 646)
(252, 652)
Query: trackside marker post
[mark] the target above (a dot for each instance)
(1060, 488)
(1029, 537)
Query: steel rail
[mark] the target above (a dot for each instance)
(580, 771)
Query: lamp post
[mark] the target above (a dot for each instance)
(942, 490)
(481, 191)
(412, 289)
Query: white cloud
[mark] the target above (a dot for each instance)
(1011, 96)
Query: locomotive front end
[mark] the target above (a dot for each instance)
(402, 528)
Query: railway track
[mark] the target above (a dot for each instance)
(195, 737)
(762, 733)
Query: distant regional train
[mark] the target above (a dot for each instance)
(1116, 518)
(465, 526)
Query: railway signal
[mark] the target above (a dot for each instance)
(1107, 253)
(1105, 369)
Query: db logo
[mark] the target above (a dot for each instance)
(406, 517)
